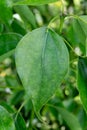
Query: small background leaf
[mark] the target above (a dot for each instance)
(5, 7)
(82, 80)
(6, 122)
(70, 119)
(26, 14)
(20, 123)
(8, 43)
(77, 33)
(34, 2)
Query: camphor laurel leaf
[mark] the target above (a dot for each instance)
(42, 61)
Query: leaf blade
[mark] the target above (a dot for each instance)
(20, 123)
(77, 33)
(26, 14)
(5, 7)
(6, 122)
(82, 81)
(40, 73)
(33, 2)
(8, 43)
(70, 119)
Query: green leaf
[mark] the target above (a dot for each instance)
(20, 123)
(17, 97)
(8, 54)
(7, 107)
(71, 121)
(8, 43)
(77, 33)
(17, 27)
(26, 14)
(82, 80)
(34, 2)
(6, 121)
(1, 28)
(5, 11)
(42, 62)
(83, 118)
(11, 81)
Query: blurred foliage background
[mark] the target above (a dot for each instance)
(22, 19)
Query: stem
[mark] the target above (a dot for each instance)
(61, 17)
(61, 23)
(73, 49)
(70, 46)
(50, 105)
(55, 18)
(62, 7)
(31, 119)
(73, 60)
(20, 109)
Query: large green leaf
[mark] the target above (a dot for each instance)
(70, 119)
(34, 2)
(8, 42)
(42, 62)
(5, 11)
(82, 80)
(6, 121)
